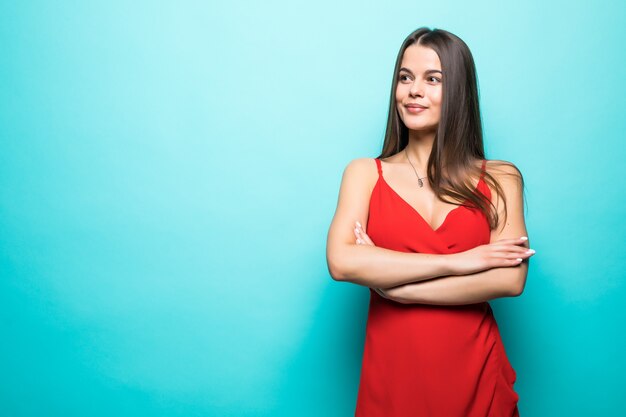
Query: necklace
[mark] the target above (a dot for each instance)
(419, 180)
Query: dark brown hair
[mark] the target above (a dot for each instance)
(458, 144)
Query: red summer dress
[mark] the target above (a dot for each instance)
(423, 360)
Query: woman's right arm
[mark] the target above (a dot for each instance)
(370, 265)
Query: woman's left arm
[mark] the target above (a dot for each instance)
(462, 289)
(485, 285)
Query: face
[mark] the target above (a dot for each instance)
(419, 83)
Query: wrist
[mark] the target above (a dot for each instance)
(448, 264)
(397, 294)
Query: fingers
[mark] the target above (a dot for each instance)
(357, 234)
(514, 255)
(510, 252)
(514, 245)
(514, 241)
(514, 249)
(361, 237)
(359, 226)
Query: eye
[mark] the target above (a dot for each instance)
(438, 80)
(402, 77)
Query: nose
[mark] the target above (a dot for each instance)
(416, 88)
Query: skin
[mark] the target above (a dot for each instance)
(497, 269)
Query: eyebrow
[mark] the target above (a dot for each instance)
(425, 72)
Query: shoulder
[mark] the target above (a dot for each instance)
(360, 164)
(509, 178)
(359, 178)
(361, 168)
(504, 171)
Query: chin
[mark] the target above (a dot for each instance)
(420, 126)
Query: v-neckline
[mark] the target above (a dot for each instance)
(381, 178)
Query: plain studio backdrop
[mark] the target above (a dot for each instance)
(169, 170)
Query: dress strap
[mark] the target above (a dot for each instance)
(379, 166)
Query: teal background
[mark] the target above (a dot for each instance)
(169, 170)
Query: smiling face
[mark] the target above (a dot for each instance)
(419, 83)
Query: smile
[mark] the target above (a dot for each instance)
(415, 110)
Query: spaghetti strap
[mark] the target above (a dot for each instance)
(378, 165)
(407, 351)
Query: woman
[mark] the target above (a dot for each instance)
(444, 233)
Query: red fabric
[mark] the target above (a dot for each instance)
(424, 360)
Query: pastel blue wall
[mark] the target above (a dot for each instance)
(168, 173)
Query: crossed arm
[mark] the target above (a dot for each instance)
(476, 287)
(418, 278)
(461, 289)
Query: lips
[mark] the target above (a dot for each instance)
(415, 108)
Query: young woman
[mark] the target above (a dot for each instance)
(435, 231)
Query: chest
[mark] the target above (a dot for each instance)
(394, 224)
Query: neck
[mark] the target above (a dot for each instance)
(419, 148)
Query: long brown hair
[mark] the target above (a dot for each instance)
(458, 144)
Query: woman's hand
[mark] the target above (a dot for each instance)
(361, 237)
(501, 253)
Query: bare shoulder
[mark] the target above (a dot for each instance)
(362, 165)
(510, 205)
(510, 179)
(357, 183)
(361, 171)
(505, 172)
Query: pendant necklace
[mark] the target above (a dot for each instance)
(419, 180)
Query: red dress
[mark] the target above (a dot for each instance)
(423, 360)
